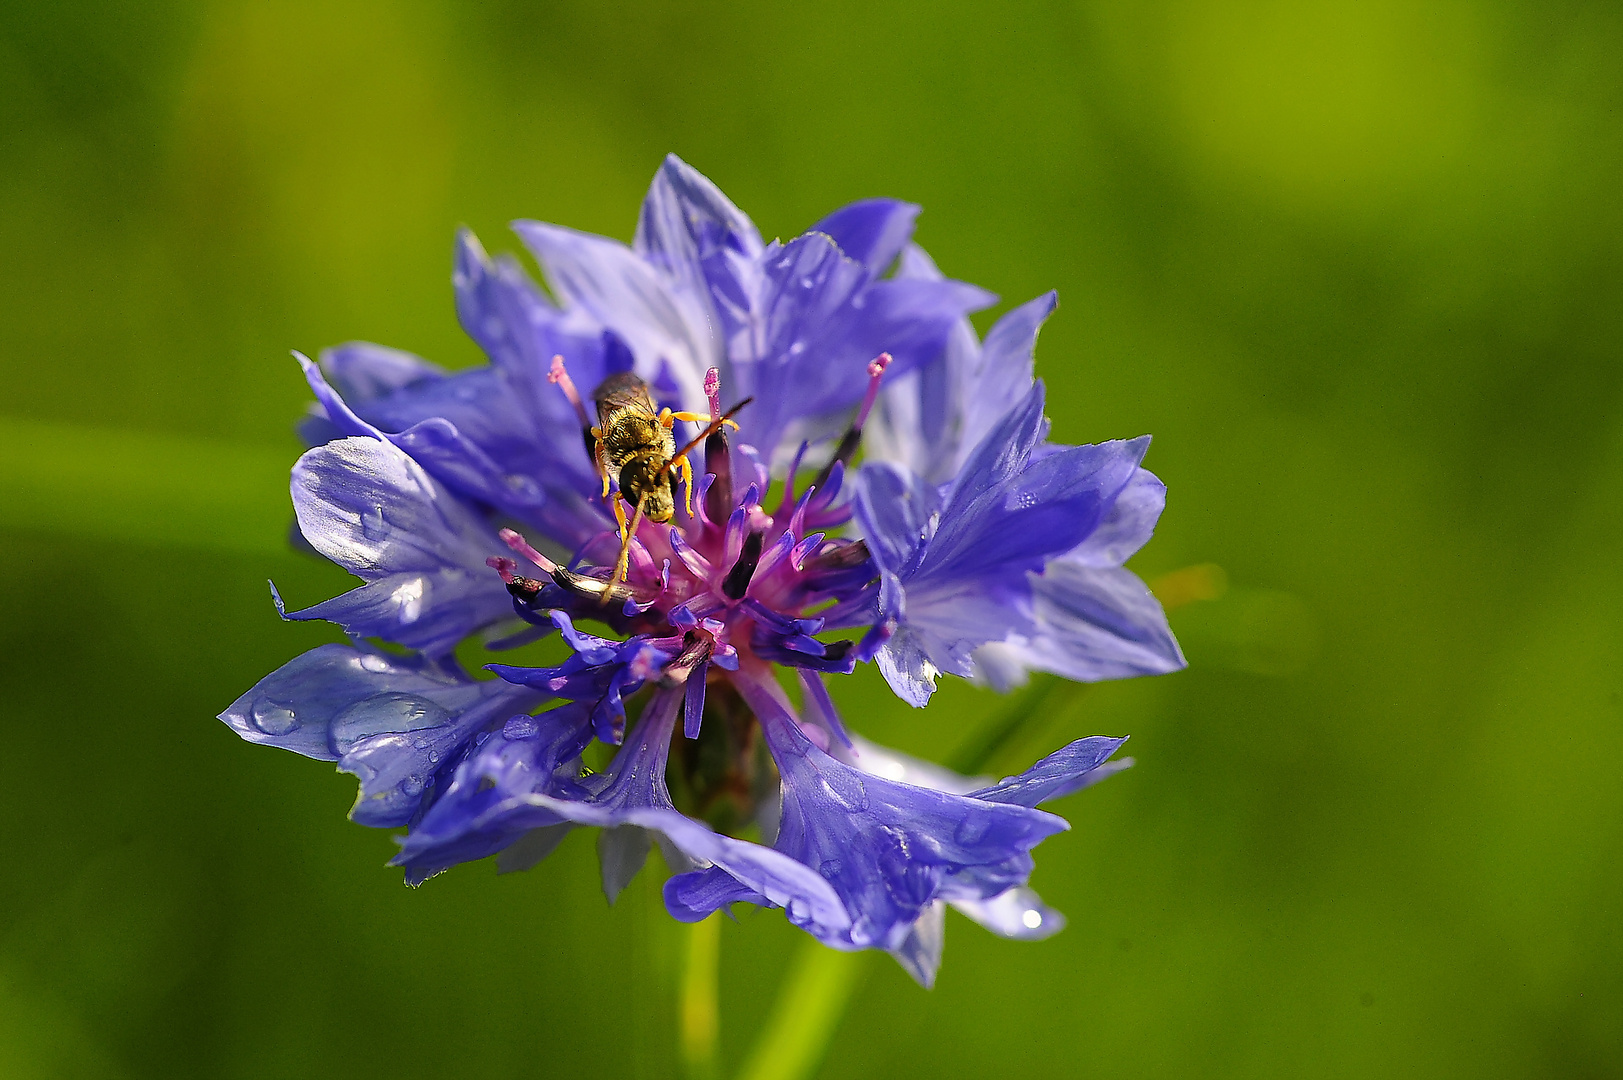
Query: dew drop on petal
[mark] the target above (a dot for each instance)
(412, 786)
(376, 664)
(1032, 918)
(274, 718)
(372, 526)
(848, 791)
(831, 868)
(384, 713)
(521, 727)
(971, 829)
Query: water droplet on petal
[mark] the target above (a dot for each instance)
(385, 712)
(831, 868)
(274, 718)
(374, 663)
(521, 727)
(848, 791)
(971, 829)
(796, 348)
(412, 786)
(372, 525)
(1032, 918)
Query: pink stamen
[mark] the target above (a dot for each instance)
(712, 390)
(875, 370)
(504, 567)
(559, 376)
(522, 546)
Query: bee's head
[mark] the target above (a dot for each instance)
(641, 481)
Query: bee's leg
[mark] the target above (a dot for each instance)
(625, 538)
(602, 466)
(668, 418)
(627, 533)
(685, 467)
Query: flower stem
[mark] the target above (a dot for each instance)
(808, 1010)
(696, 999)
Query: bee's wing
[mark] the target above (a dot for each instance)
(621, 393)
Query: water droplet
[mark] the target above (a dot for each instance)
(1032, 918)
(274, 718)
(848, 791)
(806, 283)
(412, 786)
(385, 712)
(433, 757)
(796, 348)
(372, 525)
(831, 868)
(521, 727)
(971, 829)
(374, 663)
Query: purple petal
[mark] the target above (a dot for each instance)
(371, 509)
(871, 231)
(395, 723)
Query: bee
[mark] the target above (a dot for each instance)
(633, 445)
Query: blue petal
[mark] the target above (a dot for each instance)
(897, 513)
(363, 371)
(610, 283)
(482, 810)
(802, 346)
(522, 478)
(1129, 524)
(920, 951)
(1003, 374)
(889, 849)
(871, 231)
(1068, 769)
(394, 722)
(1018, 913)
(371, 509)
(699, 239)
(1096, 623)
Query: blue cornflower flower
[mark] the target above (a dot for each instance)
(470, 504)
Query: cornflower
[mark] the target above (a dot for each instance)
(480, 503)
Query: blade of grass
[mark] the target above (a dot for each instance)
(814, 995)
(696, 999)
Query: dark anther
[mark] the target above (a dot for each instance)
(525, 588)
(696, 649)
(589, 588)
(738, 578)
(835, 650)
(718, 501)
(842, 556)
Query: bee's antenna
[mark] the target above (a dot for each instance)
(713, 427)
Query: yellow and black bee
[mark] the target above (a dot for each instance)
(632, 443)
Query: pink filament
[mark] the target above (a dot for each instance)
(712, 390)
(522, 546)
(876, 368)
(559, 375)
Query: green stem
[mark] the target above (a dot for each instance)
(809, 1007)
(699, 1017)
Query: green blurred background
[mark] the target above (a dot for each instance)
(1357, 266)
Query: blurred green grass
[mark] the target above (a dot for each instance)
(1356, 266)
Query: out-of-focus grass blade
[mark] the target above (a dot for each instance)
(143, 487)
(809, 1007)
